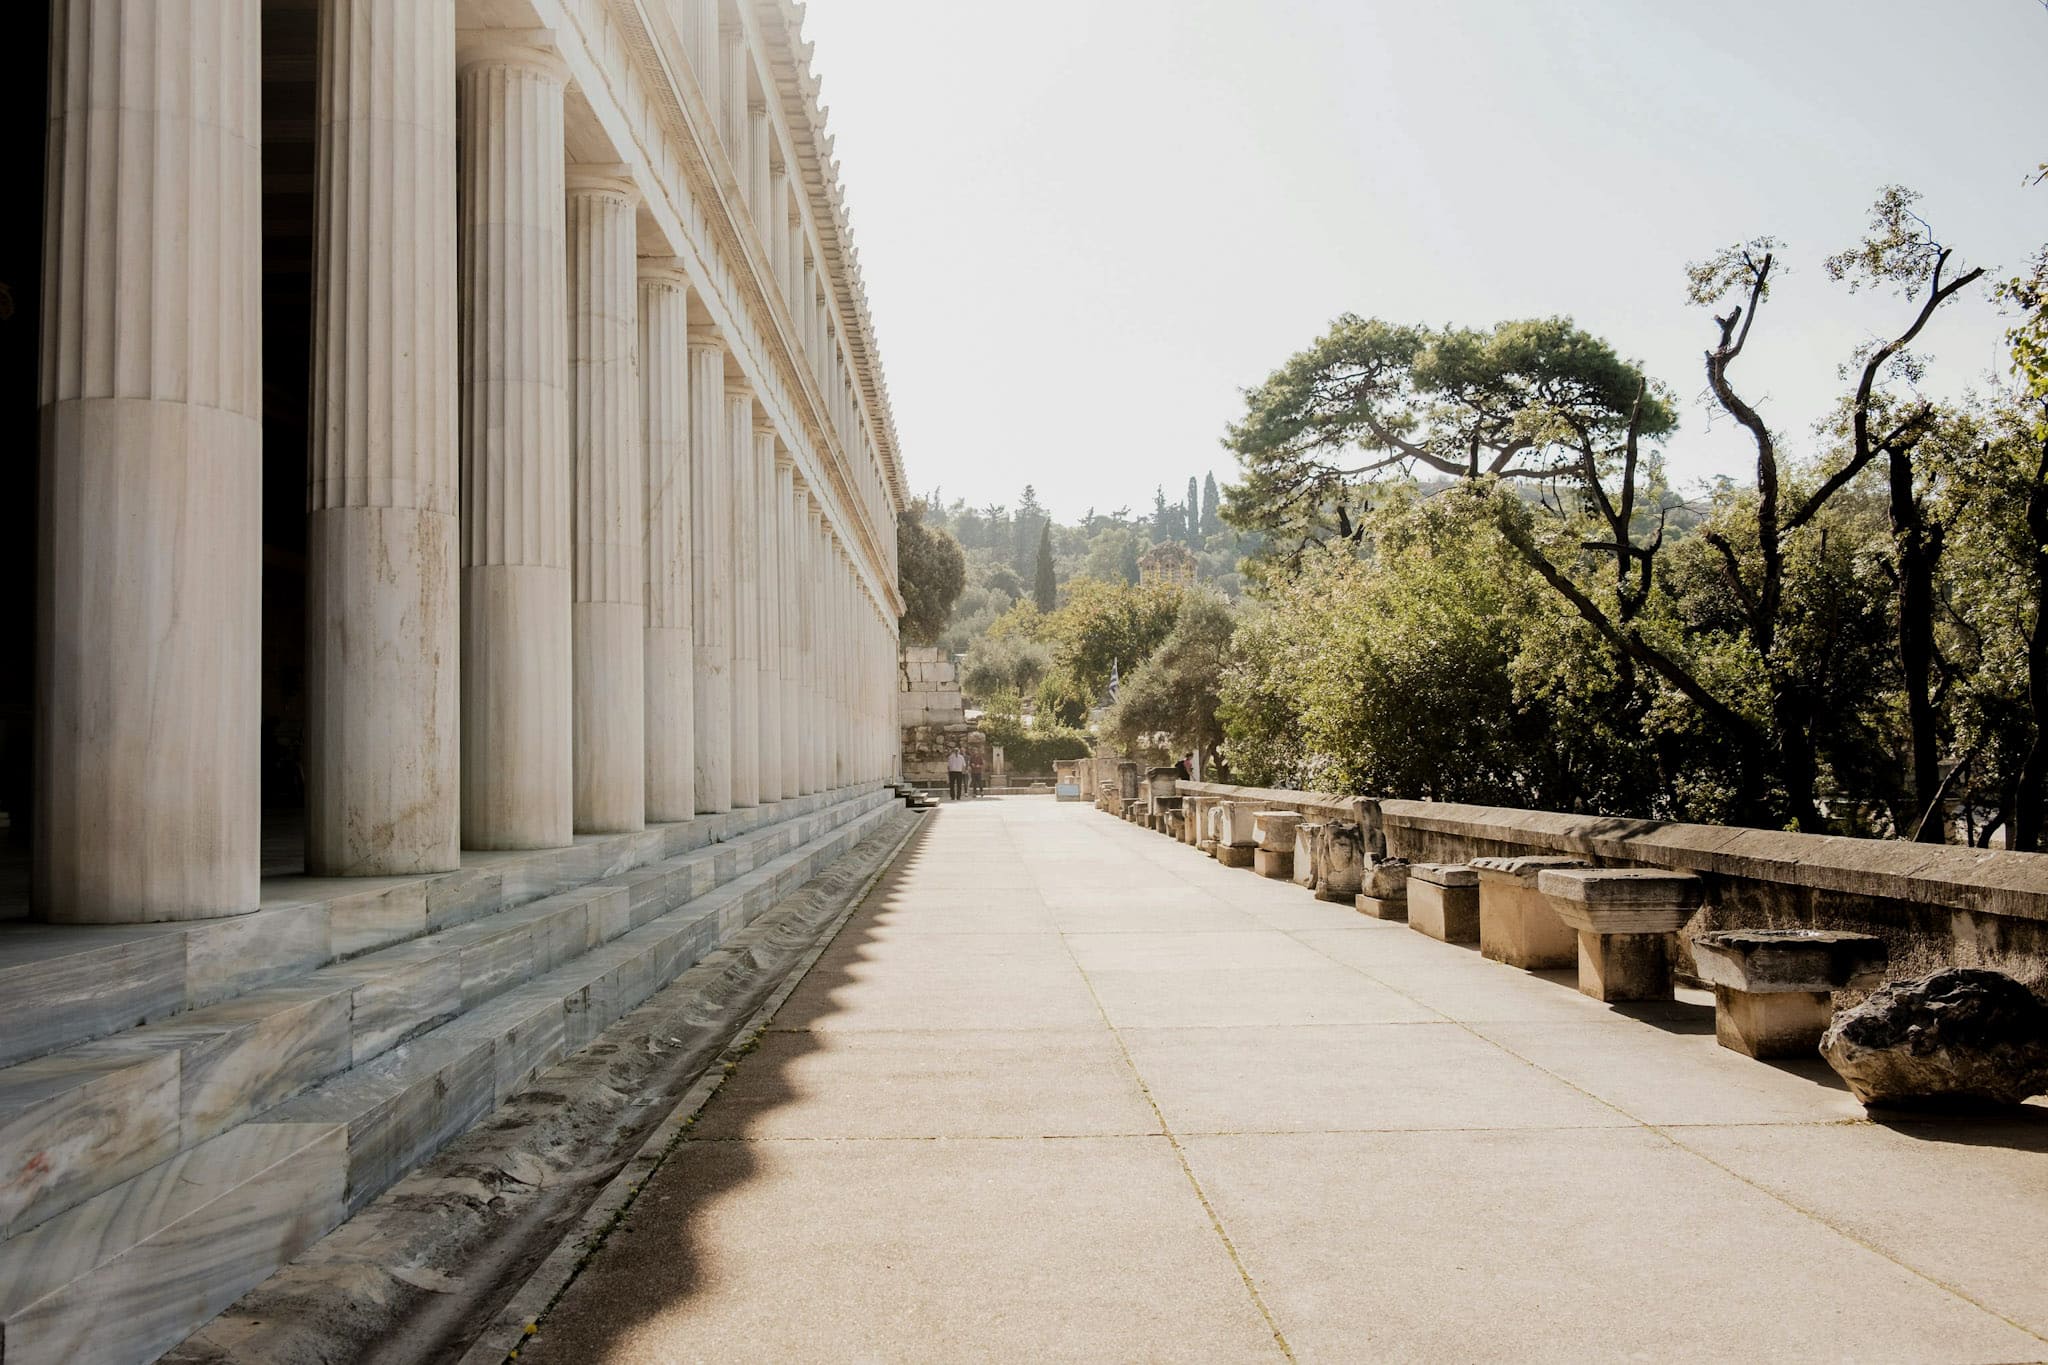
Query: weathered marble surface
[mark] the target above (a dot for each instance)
(71, 1125)
(125, 1275)
(400, 992)
(62, 984)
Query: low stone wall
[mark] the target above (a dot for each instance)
(1934, 905)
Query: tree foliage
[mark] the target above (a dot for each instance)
(1174, 692)
(931, 570)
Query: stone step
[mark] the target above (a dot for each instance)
(77, 1122)
(123, 1276)
(66, 984)
(132, 1269)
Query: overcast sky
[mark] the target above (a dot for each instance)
(1087, 225)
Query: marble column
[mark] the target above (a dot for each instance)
(792, 592)
(608, 615)
(711, 586)
(383, 733)
(745, 737)
(707, 50)
(513, 310)
(755, 172)
(800, 600)
(769, 581)
(149, 583)
(734, 90)
(778, 226)
(665, 450)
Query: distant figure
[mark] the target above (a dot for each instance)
(978, 770)
(1184, 768)
(956, 774)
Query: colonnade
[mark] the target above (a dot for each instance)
(566, 573)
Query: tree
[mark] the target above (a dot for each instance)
(1175, 691)
(1167, 521)
(1211, 523)
(1109, 623)
(1030, 519)
(1045, 585)
(1011, 664)
(1191, 515)
(930, 572)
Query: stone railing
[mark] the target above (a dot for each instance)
(1934, 905)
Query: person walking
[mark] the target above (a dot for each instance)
(977, 771)
(956, 773)
(1184, 769)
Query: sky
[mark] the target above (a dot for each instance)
(1087, 226)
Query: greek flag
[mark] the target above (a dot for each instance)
(1112, 682)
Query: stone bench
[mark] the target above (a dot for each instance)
(1443, 901)
(1627, 919)
(1516, 925)
(1774, 988)
(1274, 856)
(1383, 890)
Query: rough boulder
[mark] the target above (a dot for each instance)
(1961, 1035)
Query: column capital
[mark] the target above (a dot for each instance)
(668, 270)
(601, 178)
(737, 387)
(705, 337)
(527, 49)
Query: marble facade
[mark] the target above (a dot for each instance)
(601, 477)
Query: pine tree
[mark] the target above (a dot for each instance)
(1045, 586)
(1211, 522)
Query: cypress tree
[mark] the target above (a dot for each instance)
(1045, 587)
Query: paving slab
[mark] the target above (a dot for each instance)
(1067, 1090)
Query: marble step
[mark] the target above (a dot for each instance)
(66, 984)
(77, 1122)
(408, 1104)
(131, 1270)
(125, 1275)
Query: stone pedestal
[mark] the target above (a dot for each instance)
(1274, 832)
(1516, 925)
(1127, 780)
(1383, 890)
(1236, 855)
(1443, 901)
(1625, 919)
(1773, 988)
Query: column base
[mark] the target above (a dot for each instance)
(1235, 855)
(1617, 967)
(1771, 1024)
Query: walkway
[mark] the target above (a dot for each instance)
(1068, 1090)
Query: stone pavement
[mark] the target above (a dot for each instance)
(1066, 1089)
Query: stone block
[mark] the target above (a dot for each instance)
(1305, 836)
(1274, 830)
(1277, 864)
(1772, 1024)
(1386, 879)
(63, 984)
(1516, 924)
(240, 1057)
(1622, 900)
(1617, 967)
(1381, 907)
(400, 993)
(1443, 901)
(1235, 855)
(78, 1122)
(1802, 961)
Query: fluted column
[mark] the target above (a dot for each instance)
(383, 731)
(707, 49)
(777, 226)
(516, 745)
(792, 592)
(759, 135)
(711, 585)
(607, 618)
(149, 590)
(770, 594)
(665, 451)
(745, 738)
(734, 91)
